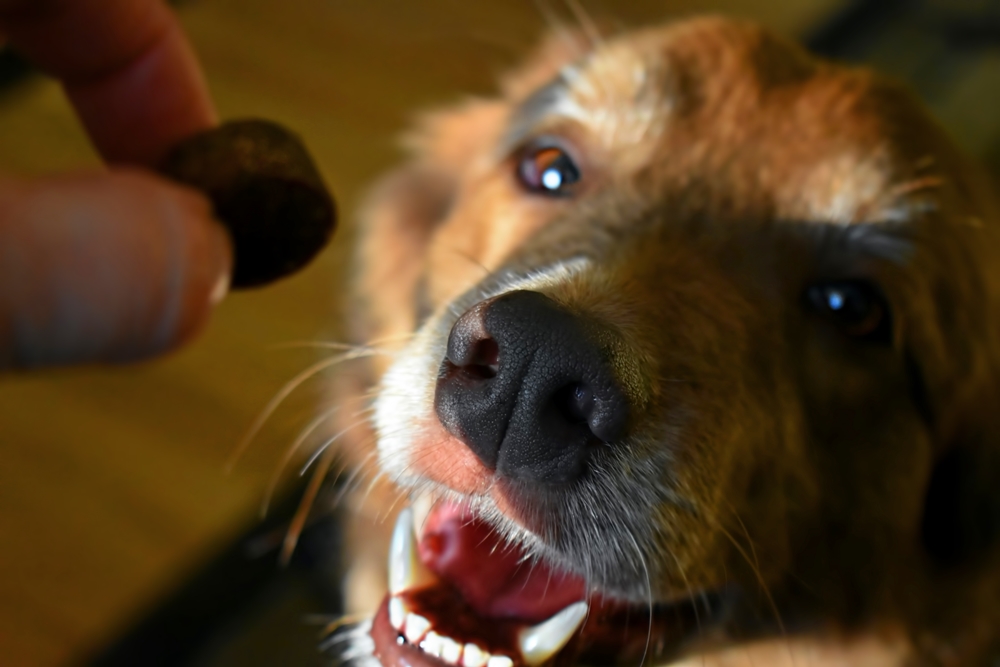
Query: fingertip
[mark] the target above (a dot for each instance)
(185, 283)
(127, 67)
(111, 267)
(203, 289)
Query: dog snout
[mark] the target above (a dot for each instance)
(526, 385)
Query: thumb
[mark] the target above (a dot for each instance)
(105, 267)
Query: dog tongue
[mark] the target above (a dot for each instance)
(492, 576)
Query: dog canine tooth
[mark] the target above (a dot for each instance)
(473, 656)
(540, 642)
(500, 661)
(406, 570)
(422, 506)
(397, 613)
(415, 628)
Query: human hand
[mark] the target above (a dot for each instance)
(116, 265)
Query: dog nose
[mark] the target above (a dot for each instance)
(528, 388)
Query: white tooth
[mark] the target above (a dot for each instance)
(406, 570)
(415, 628)
(422, 506)
(541, 642)
(500, 661)
(473, 656)
(432, 644)
(451, 650)
(397, 613)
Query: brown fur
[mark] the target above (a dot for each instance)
(724, 169)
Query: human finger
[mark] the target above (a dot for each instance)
(126, 66)
(105, 267)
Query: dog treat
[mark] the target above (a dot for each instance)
(266, 191)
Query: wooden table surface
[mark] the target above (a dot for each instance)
(111, 482)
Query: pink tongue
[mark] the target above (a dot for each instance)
(488, 573)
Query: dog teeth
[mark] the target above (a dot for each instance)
(542, 641)
(415, 628)
(419, 632)
(422, 506)
(451, 650)
(473, 656)
(432, 644)
(407, 573)
(406, 570)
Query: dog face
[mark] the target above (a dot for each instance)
(705, 336)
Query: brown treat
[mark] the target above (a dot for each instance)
(266, 191)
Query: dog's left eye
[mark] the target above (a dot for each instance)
(548, 170)
(856, 307)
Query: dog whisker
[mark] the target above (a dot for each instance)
(326, 456)
(587, 24)
(765, 588)
(487, 272)
(328, 442)
(284, 393)
(649, 596)
(331, 345)
(298, 521)
(290, 453)
(349, 485)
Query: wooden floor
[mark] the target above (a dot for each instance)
(111, 481)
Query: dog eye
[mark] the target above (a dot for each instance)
(855, 307)
(548, 170)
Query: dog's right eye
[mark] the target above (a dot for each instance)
(856, 307)
(548, 170)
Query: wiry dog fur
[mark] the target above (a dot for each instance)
(839, 490)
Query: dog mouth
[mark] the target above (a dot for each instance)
(459, 594)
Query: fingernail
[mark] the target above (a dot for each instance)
(222, 253)
(220, 290)
(205, 286)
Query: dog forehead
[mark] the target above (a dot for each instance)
(728, 102)
(641, 83)
(615, 92)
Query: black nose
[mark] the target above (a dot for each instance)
(528, 388)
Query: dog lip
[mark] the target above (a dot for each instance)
(440, 457)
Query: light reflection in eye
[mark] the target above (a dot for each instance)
(856, 307)
(547, 170)
(552, 179)
(835, 300)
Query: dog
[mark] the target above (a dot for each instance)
(692, 354)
